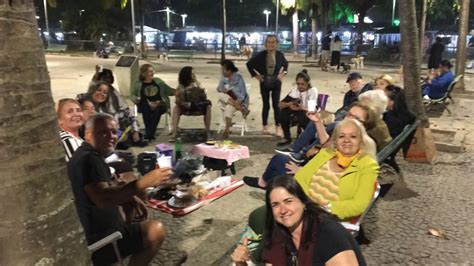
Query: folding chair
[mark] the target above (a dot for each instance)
(354, 225)
(242, 124)
(110, 239)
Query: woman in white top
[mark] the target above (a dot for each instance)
(70, 119)
(296, 104)
(336, 47)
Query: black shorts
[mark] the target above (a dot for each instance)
(131, 243)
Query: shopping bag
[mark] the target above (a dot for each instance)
(422, 148)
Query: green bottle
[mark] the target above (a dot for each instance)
(178, 153)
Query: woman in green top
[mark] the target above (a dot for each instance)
(151, 95)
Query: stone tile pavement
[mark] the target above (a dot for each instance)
(438, 194)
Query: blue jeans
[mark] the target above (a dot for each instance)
(276, 167)
(308, 138)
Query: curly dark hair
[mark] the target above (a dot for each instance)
(185, 76)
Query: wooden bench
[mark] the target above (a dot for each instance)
(429, 103)
(56, 48)
(389, 152)
(180, 54)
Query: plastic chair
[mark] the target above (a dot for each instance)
(241, 124)
(110, 239)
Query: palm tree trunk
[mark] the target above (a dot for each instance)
(410, 50)
(39, 224)
(224, 29)
(461, 47)
(296, 33)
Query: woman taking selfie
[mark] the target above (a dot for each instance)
(299, 232)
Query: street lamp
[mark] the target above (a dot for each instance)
(81, 11)
(277, 12)
(168, 11)
(267, 13)
(46, 19)
(184, 16)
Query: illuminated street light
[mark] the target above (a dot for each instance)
(277, 12)
(81, 11)
(184, 16)
(46, 19)
(267, 13)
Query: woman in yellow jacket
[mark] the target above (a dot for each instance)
(341, 177)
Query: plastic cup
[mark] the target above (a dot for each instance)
(165, 161)
(311, 105)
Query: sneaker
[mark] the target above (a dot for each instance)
(285, 151)
(284, 142)
(297, 157)
(252, 182)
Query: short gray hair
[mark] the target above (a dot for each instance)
(91, 122)
(376, 99)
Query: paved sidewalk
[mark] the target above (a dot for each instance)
(438, 195)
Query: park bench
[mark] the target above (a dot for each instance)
(180, 54)
(429, 103)
(56, 48)
(386, 155)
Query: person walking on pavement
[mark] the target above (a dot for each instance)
(436, 52)
(269, 67)
(325, 51)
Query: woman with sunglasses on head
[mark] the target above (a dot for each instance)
(105, 101)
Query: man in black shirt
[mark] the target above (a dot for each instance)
(356, 85)
(99, 199)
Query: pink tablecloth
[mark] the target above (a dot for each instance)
(230, 155)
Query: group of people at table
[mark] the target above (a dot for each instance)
(327, 175)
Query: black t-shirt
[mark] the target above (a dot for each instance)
(85, 167)
(326, 43)
(331, 239)
(150, 91)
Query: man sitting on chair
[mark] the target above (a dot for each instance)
(106, 205)
(436, 87)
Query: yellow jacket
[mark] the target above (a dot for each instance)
(356, 185)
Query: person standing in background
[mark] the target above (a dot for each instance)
(436, 52)
(325, 51)
(269, 67)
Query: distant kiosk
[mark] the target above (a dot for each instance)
(126, 72)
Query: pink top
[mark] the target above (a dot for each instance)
(230, 155)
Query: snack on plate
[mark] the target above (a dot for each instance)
(199, 191)
(233, 146)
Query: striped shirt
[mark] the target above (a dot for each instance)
(70, 143)
(324, 185)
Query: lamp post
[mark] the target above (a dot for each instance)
(184, 16)
(277, 12)
(134, 42)
(81, 11)
(267, 13)
(393, 11)
(46, 20)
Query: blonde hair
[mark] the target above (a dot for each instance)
(63, 102)
(377, 99)
(385, 77)
(367, 144)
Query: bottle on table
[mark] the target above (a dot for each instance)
(178, 153)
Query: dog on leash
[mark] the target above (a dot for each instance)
(345, 68)
(358, 62)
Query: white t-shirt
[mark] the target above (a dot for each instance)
(311, 94)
